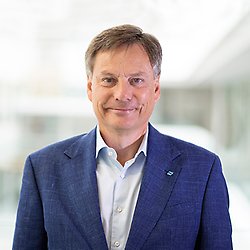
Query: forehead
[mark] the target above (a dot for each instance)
(123, 57)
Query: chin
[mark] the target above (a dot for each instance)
(123, 126)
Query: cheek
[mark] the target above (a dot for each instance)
(144, 96)
(99, 97)
(147, 98)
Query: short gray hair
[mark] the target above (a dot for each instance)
(118, 36)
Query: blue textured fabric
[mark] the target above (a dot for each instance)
(182, 204)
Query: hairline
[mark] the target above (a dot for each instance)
(115, 47)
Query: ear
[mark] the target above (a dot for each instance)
(89, 88)
(157, 88)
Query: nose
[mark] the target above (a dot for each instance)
(123, 91)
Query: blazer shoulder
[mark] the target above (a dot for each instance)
(193, 157)
(187, 148)
(158, 139)
(56, 148)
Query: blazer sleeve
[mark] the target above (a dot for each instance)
(215, 228)
(29, 231)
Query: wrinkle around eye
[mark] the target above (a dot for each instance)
(108, 81)
(136, 81)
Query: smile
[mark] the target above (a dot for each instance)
(122, 110)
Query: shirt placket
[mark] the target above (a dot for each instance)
(119, 215)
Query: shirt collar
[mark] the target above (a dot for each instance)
(100, 143)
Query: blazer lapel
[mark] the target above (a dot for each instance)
(160, 174)
(83, 191)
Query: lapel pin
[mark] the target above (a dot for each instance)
(169, 173)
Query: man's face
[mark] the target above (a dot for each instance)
(123, 89)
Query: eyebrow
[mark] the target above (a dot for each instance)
(136, 74)
(140, 73)
(105, 72)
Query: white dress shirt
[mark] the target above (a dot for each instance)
(118, 189)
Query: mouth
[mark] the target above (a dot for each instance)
(122, 110)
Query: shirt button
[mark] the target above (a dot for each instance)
(119, 210)
(116, 244)
(122, 175)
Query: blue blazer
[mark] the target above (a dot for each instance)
(182, 204)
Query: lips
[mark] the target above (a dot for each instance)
(121, 110)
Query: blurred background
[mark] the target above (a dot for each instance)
(205, 83)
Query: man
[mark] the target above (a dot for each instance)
(123, 184)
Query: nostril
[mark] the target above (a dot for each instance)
(123, 99)
(123, 96)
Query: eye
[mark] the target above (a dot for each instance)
(108, 81)
(136, 81)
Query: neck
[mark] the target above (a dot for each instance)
(125, 143)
